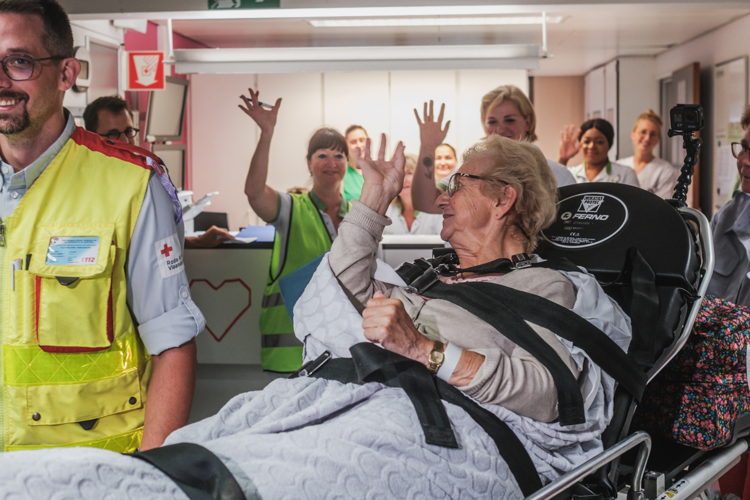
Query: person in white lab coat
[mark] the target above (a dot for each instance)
(594, 139)
(404, 218)
(654, 174)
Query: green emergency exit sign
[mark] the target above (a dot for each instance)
(243, 4)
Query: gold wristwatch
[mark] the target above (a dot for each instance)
(436, 357)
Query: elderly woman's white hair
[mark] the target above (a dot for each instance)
(523, 167)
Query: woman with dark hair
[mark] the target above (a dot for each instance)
(595, 138)
(306, 224)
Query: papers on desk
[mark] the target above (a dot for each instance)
(239, 239)
(261, 233)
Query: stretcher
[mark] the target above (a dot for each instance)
(599, 227)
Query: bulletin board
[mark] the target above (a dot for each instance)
(730, 98)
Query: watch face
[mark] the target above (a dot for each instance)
(436, 356)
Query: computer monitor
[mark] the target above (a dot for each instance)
(166, 111)
(173, 156)
(205, 220)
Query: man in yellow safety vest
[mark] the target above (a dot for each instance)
(97, 325)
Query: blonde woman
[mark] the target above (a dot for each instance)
(504, 111)
(654, 174)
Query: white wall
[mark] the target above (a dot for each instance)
(222, 138)
(638, 91)
(104, 35)
(728, 42)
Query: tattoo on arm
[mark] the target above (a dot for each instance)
(427, 162)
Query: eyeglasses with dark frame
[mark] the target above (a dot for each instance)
(454, 183)
(20, 68)
(115, 134)
(739, 148)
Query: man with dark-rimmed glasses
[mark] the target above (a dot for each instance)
(91, 274)
(731, 231)
(110, 117)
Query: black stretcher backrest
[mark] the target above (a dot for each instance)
(597, 226)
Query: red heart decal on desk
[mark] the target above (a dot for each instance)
(222, 305)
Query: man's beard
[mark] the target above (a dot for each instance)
(10, 124)
(13, 124)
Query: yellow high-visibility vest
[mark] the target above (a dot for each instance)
(306, 240)
(74, 370)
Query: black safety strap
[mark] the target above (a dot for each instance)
(196, 470)
(512, 326)
(642, 302)
(370, 363)
(566, 324)
(374, 364)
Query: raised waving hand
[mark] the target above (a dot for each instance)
(569, 145)
(263, 114)
(432, 133)
(383, 178)
(261, 196)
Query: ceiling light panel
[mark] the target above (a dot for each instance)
(433, 21)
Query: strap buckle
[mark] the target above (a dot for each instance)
(428, 278)
(521, 260)
(313, 365)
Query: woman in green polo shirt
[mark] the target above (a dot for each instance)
(305, 224)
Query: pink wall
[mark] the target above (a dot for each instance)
(558, 101)
(135, 40)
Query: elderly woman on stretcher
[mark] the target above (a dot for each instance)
(478, 374)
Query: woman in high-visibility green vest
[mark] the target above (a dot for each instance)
(306, 223)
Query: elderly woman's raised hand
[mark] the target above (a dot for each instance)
(569, 145)
(386, 322)
(257, 110)
(383, 178)
(431, 131)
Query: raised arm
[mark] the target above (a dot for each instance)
(383, 178)
(569, 145)
(352, 253)
(432, 133)
(262, 197)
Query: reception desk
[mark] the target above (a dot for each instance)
(227, 284)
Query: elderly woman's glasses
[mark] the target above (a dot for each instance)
(20, 68)
(454, 181)
(739, 149)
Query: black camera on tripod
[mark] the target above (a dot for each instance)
(685, 118)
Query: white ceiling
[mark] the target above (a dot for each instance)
(591, 33)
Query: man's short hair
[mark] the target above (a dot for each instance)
(58, 36)
(112, 103)
(745, 120)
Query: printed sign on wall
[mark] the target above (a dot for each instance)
(146, 70)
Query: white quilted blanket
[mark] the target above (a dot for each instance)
(313, 438)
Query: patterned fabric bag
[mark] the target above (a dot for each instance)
(698, 396)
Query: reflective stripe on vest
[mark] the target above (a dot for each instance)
(307, 239)
(75, 371)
